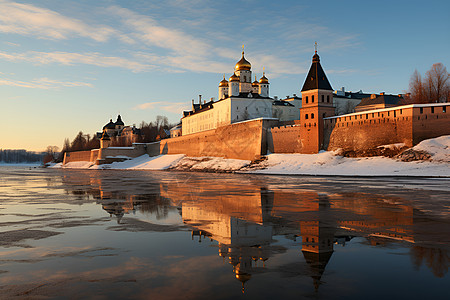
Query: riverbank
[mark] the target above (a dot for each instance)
(433, 160)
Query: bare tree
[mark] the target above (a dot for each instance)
(435, 87)
(416, 88)
(437, 83)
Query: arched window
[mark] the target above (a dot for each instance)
(312, 116)
(306, 99)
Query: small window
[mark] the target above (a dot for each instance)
(306, 99)
(323, 98)
(306, 116)
(312, 99)
(421, 110)
(367, 116)
(312, 116)
(432, 110)
(328, 98)
(388, 114)
(444, 109)
(373, 115)
(323, 116)
(401, 112)
(378, 114)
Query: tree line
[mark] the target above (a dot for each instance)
(149, 132)
(433, 87)
(20, 156)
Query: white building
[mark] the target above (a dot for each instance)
(240, 99)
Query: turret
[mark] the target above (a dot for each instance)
(233, 86)
(223, 88)
(243, 71)
(264, 86)
(105, 141)
(255, 86)
(119, 123)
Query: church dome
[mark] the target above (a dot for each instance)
(243, 64)
(119, 121)
(234, 78)
(105, 135)
(110, 125)
(224, 82)
(264, 79)
(255, 83)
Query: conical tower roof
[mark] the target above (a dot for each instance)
(316, 78)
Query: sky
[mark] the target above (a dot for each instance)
(70, 66)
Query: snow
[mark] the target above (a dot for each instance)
(77, 165)
(144, 162)
(393, 146)
(211, 164)
(327, 163)
(439, 148)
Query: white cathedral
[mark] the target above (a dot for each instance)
(240, 99)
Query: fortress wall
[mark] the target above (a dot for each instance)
(408, 124)
(284, 139)
(77, 156)
(244, 140)
(153, 149)
(121, 151)
(431, 122)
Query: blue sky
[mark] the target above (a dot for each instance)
(67, 66)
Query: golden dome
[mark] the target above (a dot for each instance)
(255, 83)
(224, 82)
(264, 79)
(243, 64)
(234, 78)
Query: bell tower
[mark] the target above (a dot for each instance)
(317, 103)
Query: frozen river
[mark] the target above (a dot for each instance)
(168, 235)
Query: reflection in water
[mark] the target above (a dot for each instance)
(245, 215)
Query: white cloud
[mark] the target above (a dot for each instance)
(27, 19)
(67, 58)
(172, 107)
(43, 83)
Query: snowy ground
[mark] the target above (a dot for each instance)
(324, 163)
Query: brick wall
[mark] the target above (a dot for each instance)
(244, 140)
(284, 139)
(77, 156)
(408, 124)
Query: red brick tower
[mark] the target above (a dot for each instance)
(317, 103)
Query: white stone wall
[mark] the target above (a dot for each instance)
(345, 105)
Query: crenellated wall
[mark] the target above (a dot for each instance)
(409, 124)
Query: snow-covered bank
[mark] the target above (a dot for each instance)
(144, 162)
(324, 163)
(327, 163)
